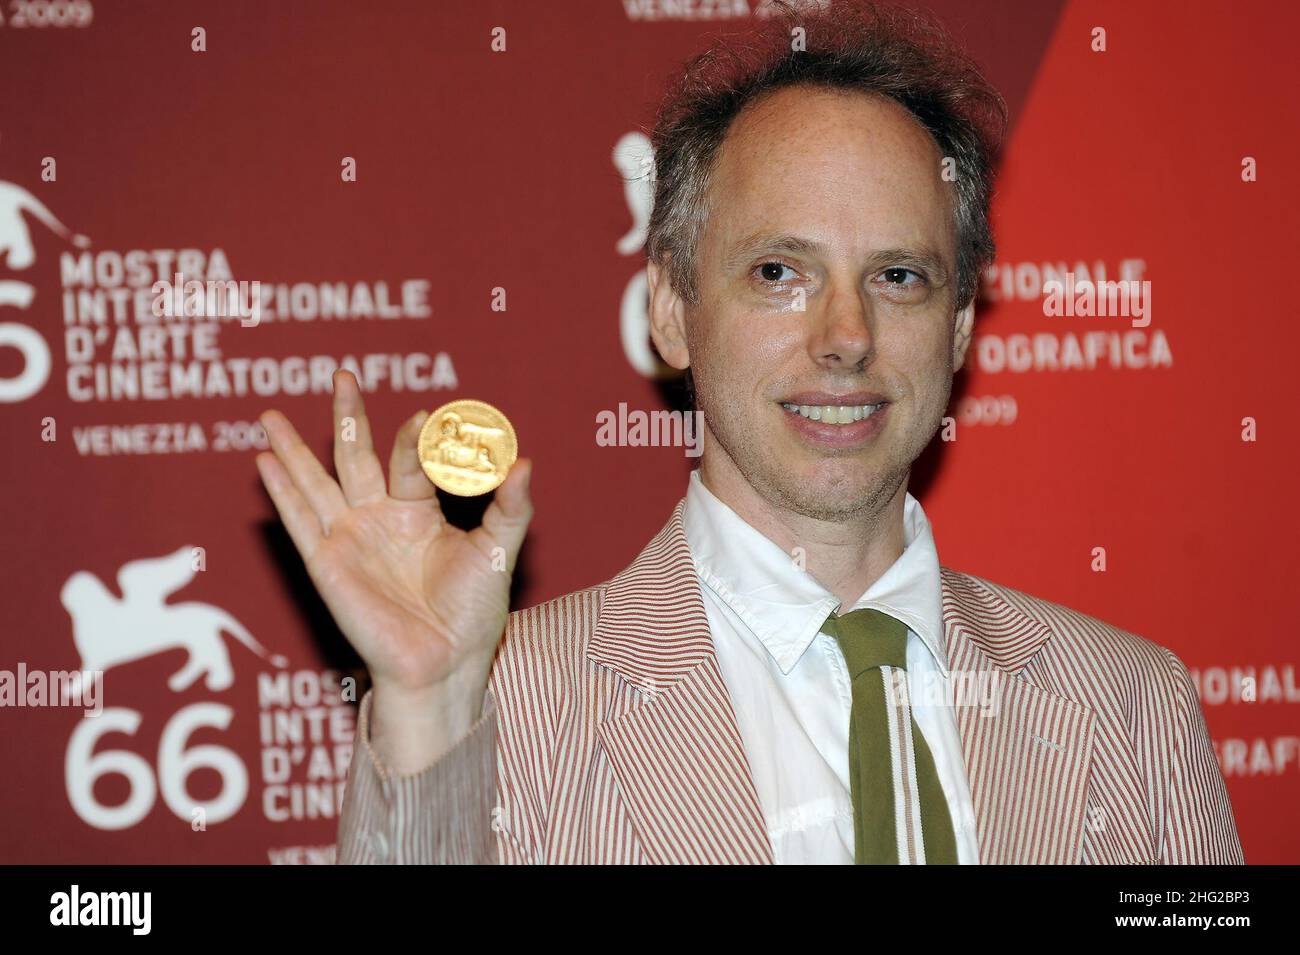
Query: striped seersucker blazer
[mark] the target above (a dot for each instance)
(607, 735)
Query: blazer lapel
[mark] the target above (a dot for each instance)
(679, 761)
(676, 750)
(1027, 754)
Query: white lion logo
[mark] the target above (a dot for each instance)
(16, 248)
(17, 252)
(109, 630)
(634, 159)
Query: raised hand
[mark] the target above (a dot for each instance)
(424, 603)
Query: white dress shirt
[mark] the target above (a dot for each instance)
(790, 687)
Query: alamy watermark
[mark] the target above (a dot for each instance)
(651, 429)
(130, 909)
(35, 688)
(962, 688)
(214, 298)
(1085, 298)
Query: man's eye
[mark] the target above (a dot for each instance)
(898, 276)
(773, 272)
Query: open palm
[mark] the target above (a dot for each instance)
(417, 598)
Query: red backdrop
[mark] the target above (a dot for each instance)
(480, 169)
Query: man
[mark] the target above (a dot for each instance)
(785, 673)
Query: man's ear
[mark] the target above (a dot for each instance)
(964, 324)
(667, 318)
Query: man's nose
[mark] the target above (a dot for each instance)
(841, 330)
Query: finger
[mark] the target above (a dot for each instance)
(360, 475)
(299, 519)
(316, 487)
(406, 477)
(506, 520)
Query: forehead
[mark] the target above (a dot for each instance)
(852, 165)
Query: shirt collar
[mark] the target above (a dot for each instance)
(784, 605)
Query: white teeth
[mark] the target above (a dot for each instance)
(833, 414)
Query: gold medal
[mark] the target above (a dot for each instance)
(467, 447)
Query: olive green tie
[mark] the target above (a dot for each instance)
(899, 810)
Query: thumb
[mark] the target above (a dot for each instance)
(507, 518)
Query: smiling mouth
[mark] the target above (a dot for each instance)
(834, 414)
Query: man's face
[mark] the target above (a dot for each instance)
(831, 203)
